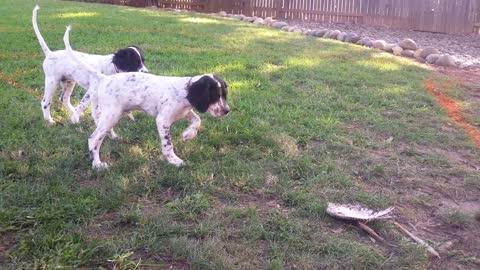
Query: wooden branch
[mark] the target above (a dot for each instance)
(370, 231)
(418, 240)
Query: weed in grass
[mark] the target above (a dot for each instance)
(456, 219)
(130, 216)
(190, 207)
(122, 261)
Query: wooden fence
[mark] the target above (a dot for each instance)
(445, 16)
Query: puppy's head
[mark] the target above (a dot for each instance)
(209, 94)
(129, 59)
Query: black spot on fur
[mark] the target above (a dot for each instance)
(204, 92)
(90, 155)
(63, 79)
(45, 107)
(128, 60)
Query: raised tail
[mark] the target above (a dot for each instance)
(44, 46)
(68, 48)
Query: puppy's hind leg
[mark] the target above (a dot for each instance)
(104, 125)
(50, 87)
(166, 141)
(96, 117)
(67, 88)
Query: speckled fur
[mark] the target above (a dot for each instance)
(59, 68)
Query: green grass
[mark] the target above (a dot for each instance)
(311, 123)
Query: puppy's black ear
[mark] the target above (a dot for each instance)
(127, 60)
(199, 94)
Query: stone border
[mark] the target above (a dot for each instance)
(406, 47)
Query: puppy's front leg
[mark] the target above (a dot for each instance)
(191, 131)
(166, 141)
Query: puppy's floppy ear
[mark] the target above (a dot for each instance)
(199, 94)
(126, 60)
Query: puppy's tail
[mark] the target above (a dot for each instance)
(44, 46)
(90, 70)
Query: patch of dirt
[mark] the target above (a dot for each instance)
(261, 202)
(104, 226)
(426, 191)
(7, 241)
(152, 261)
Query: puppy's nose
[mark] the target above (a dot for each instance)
(226, 111)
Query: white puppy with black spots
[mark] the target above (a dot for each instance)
(59, 68)
(167, 99)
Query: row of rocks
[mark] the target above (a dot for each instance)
(406, 47)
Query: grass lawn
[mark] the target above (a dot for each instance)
(312, 121)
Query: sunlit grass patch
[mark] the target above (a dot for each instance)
(200, 20)
(76, 15)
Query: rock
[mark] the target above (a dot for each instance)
(407, 53)
(362, 41)
(239, 16)
(292, 28)
(417, 53)
(341, 36)
(223, 13)
(431, 58)
(268, 21)
(297, 30)
(427, 51)
(389, 47)
(355, 39)
(445, 61)
(306, 32)
(286, 28)
(279, 25)
(421, 60)
(334, 34)
(349, 37)
(408, 44)
(322, 32)
(369, 44)
(397, 50)
(379, 44)
(318, 32)
(327, 34)
(250, 19)
(259, 21)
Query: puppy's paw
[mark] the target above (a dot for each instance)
(177, 162)
(75, 118)
(100, 166)
(189, 134)
(50, 122)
